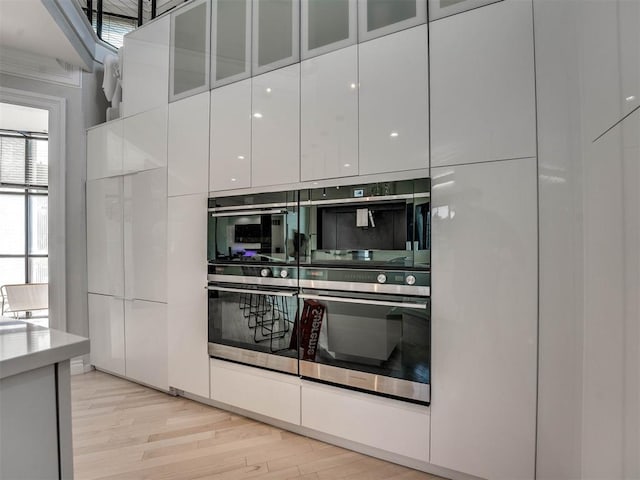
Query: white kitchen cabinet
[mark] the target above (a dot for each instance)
(382, 17)
(383, 423)
(484, 318)
(275, 395)
(444, 8)
(145, 69)
(105, 257)
(146, 342)
(145, 235)
(609, 36)
(329, 115)
(482, 85)
(188, 145)
(275, 139)
(104, 150)
(393, 102)
(187, 298)
(230, 41)
(327, 26)
(276, 34)
(230, 156)
(189, 52)
(106, 332)
(145, 144)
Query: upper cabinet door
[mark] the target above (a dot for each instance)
(230, 157)
(482, 85)
(275, 140)
(230, 41)
(329, 115)
(189, 65)
(327, 25)
(188, 145)
(394, 104)
(145, 140)
(276, 34)
(381, 17)
(104, 150)
(105, 257)
(145, 70)
(444, 8)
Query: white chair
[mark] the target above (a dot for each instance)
(24, 297)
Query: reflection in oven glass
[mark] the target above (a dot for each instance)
(382, 340)
(254, 321)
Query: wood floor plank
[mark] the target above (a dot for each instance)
(124, 431)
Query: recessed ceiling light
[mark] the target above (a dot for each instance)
(347, 165)
(394, 134)
(353, 86)
(257, 115)
(268, 89)
(233, 179)
(631, 98)
(240, 157)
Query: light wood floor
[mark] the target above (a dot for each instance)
(122, 430)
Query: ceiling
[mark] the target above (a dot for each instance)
(27, 25)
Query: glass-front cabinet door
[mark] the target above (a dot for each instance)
(381, 17)
(327, 25)
(230, 41)
(276, 34)
(189, 55)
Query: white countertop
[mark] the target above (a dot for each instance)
(24, 346)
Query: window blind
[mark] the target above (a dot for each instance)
(24, 161)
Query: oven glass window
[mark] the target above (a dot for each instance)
(253, 319)
(386, 335)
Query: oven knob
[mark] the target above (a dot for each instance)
(284, 273)
(264, 272)
(382, 278)
(411, 280)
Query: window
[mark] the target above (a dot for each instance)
(24, 165)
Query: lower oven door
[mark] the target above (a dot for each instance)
(253, 326)
(372, 342)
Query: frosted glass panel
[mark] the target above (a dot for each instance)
(381, 13)
(275, 31)
(190, 49)
(328, 22)
(38, 222)
(12, 224)
(231, 38)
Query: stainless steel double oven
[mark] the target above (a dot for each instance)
(331, 284)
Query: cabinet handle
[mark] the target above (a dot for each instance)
(417, 306)
(254, 292)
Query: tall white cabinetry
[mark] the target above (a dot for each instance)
(377, 18)
(482, 85)
(484, 310)
(105, 145)
(126, 250)
(142, 148)
(187, 300)
(276, 34)
(393, 108)
(145, 70)
(275, 127)
(230, 41)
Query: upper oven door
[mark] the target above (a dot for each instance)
(382, 225)
(242, 231)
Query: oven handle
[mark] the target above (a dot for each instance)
(255, 292)
(248, 212)
(417, 306)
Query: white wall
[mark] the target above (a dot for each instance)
(589, 214)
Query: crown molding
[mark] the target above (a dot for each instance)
(36, 67)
